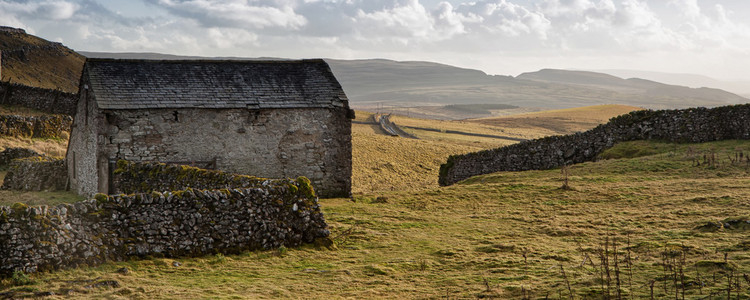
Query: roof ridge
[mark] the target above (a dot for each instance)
(208, 60)
(148, 83)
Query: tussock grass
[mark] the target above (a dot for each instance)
(51, 147)
(385, 163)
(509, 235)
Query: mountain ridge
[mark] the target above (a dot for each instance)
(383, 82)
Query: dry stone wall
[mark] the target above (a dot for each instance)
(137, 177)
(694, 125)
(9, 154)
(54, 126)
(36, 174)
(189, 222)
(49, 101)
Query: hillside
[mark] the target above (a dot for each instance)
(653, 223)
(558, 122)
(380, 84)
(32, 61)
(377, 83)
(638, 89)
(738, 87)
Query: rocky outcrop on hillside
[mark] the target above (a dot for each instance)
(35, 62)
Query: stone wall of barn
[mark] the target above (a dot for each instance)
(694, 125)
(177, 223)
(271, 143)
(82, 156)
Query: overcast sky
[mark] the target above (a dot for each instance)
(710, 37)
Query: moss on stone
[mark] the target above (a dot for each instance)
(101, 198)
(121, 166)
(19, 209)
(305, 187)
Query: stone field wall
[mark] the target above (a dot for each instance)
(694, 125)
(54, 126)
(136, 177)
(49, 101)
(179, 223)
(36, 174)
(9, 154)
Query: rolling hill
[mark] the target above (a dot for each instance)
(378, 83)
(372, 84)
(32, 61)
(739, 87)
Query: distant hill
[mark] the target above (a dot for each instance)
(32, 61)
(741, 88)
(380, 83)
(377, 82)
(640, 91)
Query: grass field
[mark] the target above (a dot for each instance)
(506, 235)
(647, 220)
(554, 122)
(384, 163)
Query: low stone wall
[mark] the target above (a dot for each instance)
(9, 154)
(36, 174)
(35, 126)
(695, 125)
(189, 222)
(49, 101)
(137, 177)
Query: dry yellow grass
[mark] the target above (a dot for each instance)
(504, 235)
(51, 147)
(385, 163)
(462, 126)
(556, 122)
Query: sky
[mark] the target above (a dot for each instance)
(502, 37)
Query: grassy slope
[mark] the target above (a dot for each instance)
(470, 239)
(43, 64)
(501, 235)
(563, 121)
(384, 163)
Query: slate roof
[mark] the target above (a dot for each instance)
(147, 84)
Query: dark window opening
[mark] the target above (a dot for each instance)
(176, 116)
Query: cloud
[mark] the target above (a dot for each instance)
(475, 31)
(52, 10)
(236, 13)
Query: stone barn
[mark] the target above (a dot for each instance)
(271, 119)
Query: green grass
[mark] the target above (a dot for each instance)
(506, 235)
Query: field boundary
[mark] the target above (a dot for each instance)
(696, 125)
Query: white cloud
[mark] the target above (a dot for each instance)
(237, 13)
(52, 10)
(483, 33)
